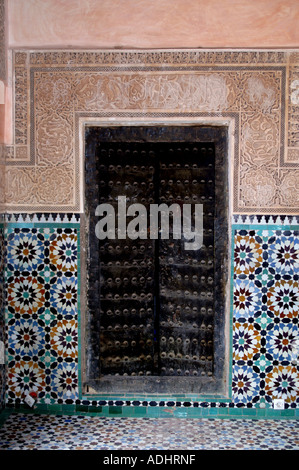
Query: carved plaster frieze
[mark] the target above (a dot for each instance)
(256, 90)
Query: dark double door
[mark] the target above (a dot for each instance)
(152, 300)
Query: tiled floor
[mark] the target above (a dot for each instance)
(77, 432)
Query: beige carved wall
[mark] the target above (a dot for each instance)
(255, 93)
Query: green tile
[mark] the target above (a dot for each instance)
(249, 412)
(139, 411)
(214, 411)
(288, 413)
(96, 409)
(195, 413)
(261, 412)
(223, 411)
(69, 408)
(115, 410)
(82, 408)
(236, 411)
(153, 412)
(106, 411)
(55, 408)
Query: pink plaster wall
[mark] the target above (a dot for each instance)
(6, 126)
(153, 23)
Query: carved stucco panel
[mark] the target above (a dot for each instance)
(56, 184)
(258, 188)
(261, 91)
(292, 155)
(289, 188)
(21, 110)
(53, 90)
(54, 139)
(20, 185)
(200, 92)
(293, 140)
(37, 185)
(260, 139)
(2, 184)
(257, 89)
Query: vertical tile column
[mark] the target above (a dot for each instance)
(265, 315)
(42, 311)
(2, 317)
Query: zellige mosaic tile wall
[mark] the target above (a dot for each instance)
(2, 315)
(43, 321)
(42, 311)
(265, 315)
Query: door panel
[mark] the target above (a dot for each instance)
(155, 311)
(186, 277)
(127, 267)
(156, 297)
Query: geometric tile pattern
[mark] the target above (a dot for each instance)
(42, 314)
(43, 321)
(265, 316)
(50, 432)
